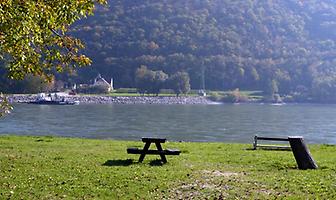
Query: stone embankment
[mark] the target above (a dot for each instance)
(119, 100)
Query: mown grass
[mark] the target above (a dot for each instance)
(68, 168)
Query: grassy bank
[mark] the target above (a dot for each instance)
(63, 168)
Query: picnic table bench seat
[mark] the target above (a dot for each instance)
(134, 150)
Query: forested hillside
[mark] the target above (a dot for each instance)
(285, 46)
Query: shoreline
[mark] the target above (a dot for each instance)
(96, 99)
(163, 100)
(137, 139)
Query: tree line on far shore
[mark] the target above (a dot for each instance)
(147, 82)
(152, 82)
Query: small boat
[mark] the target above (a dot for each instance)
(52, 99)
(278, 104)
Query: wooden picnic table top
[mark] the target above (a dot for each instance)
(153, 139)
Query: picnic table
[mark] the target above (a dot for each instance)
(159, 151)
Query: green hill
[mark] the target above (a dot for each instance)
(277, 46)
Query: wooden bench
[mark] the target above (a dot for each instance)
(268, 146)
(159, 151)
(300, 150)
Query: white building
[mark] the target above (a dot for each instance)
(99, 80)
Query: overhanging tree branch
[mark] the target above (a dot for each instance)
(55, 32)
(5, 107)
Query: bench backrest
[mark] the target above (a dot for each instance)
(270, 138)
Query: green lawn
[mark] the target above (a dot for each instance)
(68, 168)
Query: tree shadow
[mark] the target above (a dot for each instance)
(267, 149)
(128, 162)
(125, 163)
(289, 150)
(250, 149)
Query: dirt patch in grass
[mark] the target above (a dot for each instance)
(204, 184)
(217, 173)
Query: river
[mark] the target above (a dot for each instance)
(201, 123)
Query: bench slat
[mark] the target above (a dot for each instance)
(271, 138)
(134, 150)
(274, 147)
(172, 152)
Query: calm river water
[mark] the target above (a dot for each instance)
(220, 123)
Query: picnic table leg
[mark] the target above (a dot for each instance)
(163, 157)
(146, 147)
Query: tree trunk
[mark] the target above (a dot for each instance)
(301, 153)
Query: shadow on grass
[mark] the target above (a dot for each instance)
(111, 163)
(46, 139)
(282, 166)
(267, 149)
(128, 162)
(156, 162)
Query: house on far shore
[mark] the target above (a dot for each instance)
(100, 81)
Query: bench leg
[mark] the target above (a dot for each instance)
(146, 147)
(255, 142)
(163, 157)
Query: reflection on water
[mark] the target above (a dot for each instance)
(222, 123)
